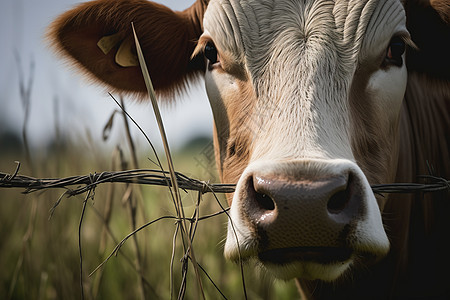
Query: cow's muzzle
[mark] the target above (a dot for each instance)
(309, 211)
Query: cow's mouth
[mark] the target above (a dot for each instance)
(322, 255)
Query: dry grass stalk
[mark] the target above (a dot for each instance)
(25, 97)
(132, 202)
(179, 204)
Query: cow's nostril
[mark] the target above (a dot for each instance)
(264, 201)
(340, 199)
(338, 202)
(261, 200)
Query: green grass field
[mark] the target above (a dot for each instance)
(40, 258)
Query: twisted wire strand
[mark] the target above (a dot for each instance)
(158, 177)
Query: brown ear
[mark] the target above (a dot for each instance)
(97, 37)
(428, 22)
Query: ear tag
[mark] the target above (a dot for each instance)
(108, 42)
(126, 56)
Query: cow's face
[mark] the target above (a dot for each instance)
(306, 98)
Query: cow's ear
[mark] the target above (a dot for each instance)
(428, 22)
(97, 38)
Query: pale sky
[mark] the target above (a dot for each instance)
(81, 106)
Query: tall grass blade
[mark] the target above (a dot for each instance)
(152, 95)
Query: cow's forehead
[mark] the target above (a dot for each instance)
(250, 28)
(300, 57)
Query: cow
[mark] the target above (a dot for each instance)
(313, 101)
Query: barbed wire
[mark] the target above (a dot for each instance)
(87, 182)
(161, 178)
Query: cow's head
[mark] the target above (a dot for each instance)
(306, 97)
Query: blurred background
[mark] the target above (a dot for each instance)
(53, 122)
(25, 55)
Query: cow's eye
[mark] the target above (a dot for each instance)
(211, 53)
(395, 51)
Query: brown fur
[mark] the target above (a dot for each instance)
(75, 35)
(232, 141)
(237, 153)
(374, 153)
(442, 7)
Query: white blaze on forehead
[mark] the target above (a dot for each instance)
(301, 82)
(300, 57)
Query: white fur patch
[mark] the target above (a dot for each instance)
(301, 57)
